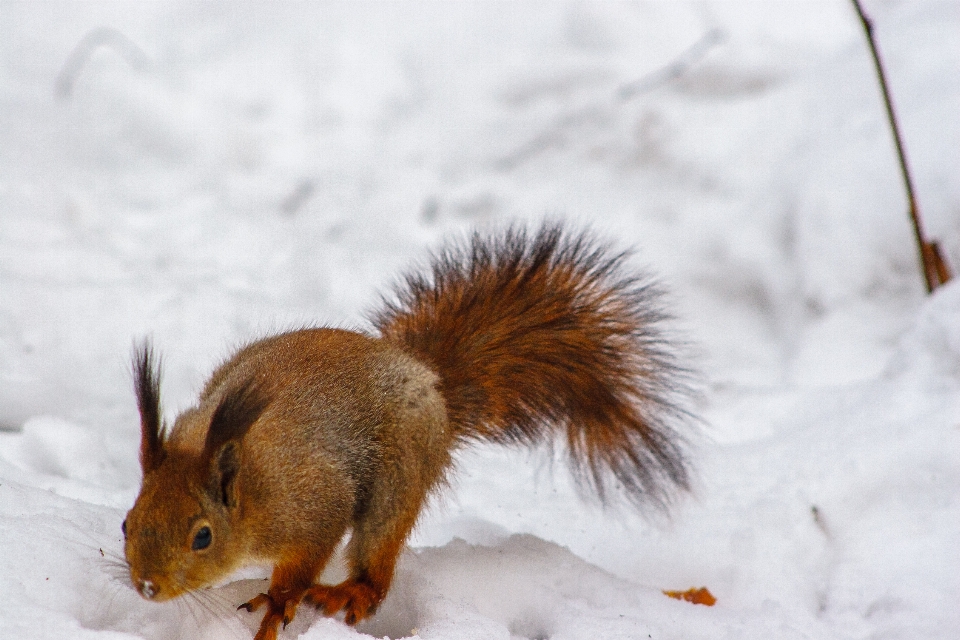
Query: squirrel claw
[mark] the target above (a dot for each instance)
(275, 615)
(289, 610)
(278, 613)
(256, 602)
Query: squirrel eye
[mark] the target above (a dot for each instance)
(202, 539)
(123, 527)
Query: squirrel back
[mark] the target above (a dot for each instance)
(540, 335)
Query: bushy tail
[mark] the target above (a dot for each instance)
(543, 333)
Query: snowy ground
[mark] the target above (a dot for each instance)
(206, 173)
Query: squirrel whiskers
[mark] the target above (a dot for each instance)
(514, 338)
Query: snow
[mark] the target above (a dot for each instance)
(207, 173)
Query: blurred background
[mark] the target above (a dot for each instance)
(204, 172)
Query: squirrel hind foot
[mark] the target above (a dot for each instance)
(358, 600)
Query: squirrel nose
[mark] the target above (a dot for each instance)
(148, 589)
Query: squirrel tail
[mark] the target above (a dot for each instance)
(543, 333)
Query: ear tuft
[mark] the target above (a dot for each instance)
(146, 375)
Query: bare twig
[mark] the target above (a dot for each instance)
(676, 68)
(555, 135)
(100, 37)
(935, 269)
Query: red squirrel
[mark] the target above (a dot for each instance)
(513, 338)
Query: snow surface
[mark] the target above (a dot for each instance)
(206, 173)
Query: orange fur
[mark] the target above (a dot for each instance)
(532, 335)
(301, 436)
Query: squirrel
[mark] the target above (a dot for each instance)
(513, 337)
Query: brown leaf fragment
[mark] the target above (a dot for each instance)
(696, 596)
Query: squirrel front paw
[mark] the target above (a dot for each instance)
(277, 613)
(357, 600)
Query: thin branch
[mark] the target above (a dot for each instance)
(935, 269)
(101, 37)
(554, 135)
(675, 69)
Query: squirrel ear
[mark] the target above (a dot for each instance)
(146, 374)
(233, 417)
(224, 470)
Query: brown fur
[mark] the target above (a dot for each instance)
(304, 435)
(556, 338)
